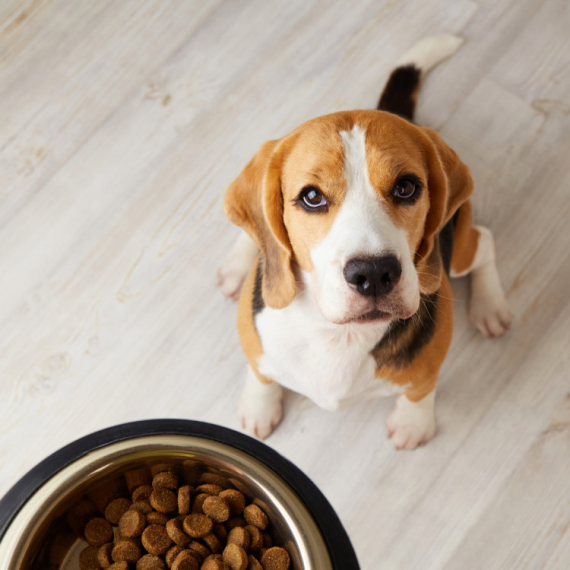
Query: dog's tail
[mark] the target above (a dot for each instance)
(401, 91)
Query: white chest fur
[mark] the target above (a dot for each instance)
(330, 364)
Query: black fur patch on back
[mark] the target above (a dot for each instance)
(257, 302)
(446, 242)
(399, 95)
(406, 337)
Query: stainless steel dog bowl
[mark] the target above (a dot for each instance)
(31, 511)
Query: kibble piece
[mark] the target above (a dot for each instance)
(235, 557)
(155, 539)
(171, 555)
(150, 562)
(255, 516)
(217, 509)
(236, 521)
(88, 558)
(126, 551)
(161, 467)
(220, 531)
(199, 502)
(185, 561)
(239, 536)
(119, 566)
(261, 552)
(275, 558)
(142, 507)
(142, 493)
(136, 478)
(156, 518)
(209, 489)
(163, 500)
(267, 540)
(176, 533)
(116, 509)
(197, 525)
(235, 500)
(165, 480)
(255, 536)
(184, 498)
(213, 479)
(212, 563)
(253, 563)
(132, 524)
(98, 531)
(104, 555)
(199, 548)
(213, 543)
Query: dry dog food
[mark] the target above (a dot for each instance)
(168, 524)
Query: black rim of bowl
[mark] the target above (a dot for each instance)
(340, 548)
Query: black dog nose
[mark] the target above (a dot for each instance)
(373, 276)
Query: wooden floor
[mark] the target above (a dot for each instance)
(121, 124)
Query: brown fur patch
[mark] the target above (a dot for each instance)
(465, 241)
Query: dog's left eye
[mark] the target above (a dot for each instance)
(407, 188)
(312, 198)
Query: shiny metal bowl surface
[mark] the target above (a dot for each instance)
(27, 538)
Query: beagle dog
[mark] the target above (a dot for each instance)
(354, 223)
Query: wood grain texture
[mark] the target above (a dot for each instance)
(121, 124)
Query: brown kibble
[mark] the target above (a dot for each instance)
(255, 516)
(217, 509)
(162, 467)
(197, 525)
(185, 561)
(156, 518)
(142, 507)
(235, 557)
(199, 502)
(171, 555)
(98, 531)
(80, 514)
(239, 536)
(199, 548)
(235, 500)
(150, 562)
(253, 563)
(165, 480)
(88, 559)
(220, 531)
(267, 540)
(212, 478)
(209, 489)
(163, 500)
(126, 551)
(255, 536)
(236, 521)
(132, 524)
(213, 543)
(155, 539)
(142, 493)
(214, 562)
(119, 566)
(116, 509)
(275, 558)
(175, 532)
(184, 499)
(137, 478)
(104, 555)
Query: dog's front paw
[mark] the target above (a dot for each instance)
(260, 407)
(488, 309)
(231, 276)
(411, 424)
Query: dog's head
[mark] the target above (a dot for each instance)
(351, 205)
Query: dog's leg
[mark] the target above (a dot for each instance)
(236, 266)
(488, 307)
(260, 406)
(412, 424)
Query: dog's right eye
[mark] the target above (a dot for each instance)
(312, 199)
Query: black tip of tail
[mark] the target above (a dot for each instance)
(400, 94)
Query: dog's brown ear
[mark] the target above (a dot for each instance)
(449, 185)
(254, 201)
